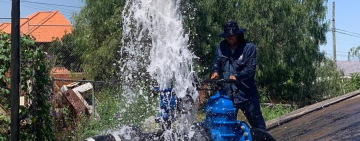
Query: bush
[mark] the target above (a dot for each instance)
(66, 53)
(35, 120)
(274, 111)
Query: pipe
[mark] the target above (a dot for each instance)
(153, 136)
(109, 137)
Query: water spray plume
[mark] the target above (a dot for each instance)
(154, 42)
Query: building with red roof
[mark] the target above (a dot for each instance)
(44, 26)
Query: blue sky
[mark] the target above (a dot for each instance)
(27, 7)
(346, 18)
(346, 21)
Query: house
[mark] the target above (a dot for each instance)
(348, 67)
(44, 26)
(5, 26)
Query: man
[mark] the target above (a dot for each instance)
(235, 59)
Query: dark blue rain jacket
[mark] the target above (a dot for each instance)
(241, 64)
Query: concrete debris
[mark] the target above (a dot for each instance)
(73, 84)
(22, 101)
(83, 88)
(63, 88)
(78, 97)
(88, 108)
(76, 103)
(3, 111)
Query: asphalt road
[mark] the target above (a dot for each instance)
(338, 122)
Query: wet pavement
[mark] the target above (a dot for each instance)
(340, 121)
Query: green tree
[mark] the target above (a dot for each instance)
(66, 53)
(355, 81)
(354, 52)
(287, 35)
(203, 20)
(97, 31)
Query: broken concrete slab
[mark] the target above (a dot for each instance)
(88, 107)
(80, 94)
(63, 88)
(76, 103)
(83, 88)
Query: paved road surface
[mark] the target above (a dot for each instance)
(337, 122)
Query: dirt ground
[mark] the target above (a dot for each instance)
(340, 121)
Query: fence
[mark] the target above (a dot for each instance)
(63, 53)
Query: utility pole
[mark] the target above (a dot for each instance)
(15, 70)
(333, 31)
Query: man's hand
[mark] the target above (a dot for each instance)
(232, 77)
(215, 75)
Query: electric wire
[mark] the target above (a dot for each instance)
(64, 12)
(48, 4)
(52, 7)
(47, 8)
(348, 32)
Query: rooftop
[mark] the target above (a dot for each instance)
(45, 26)
(349, 67)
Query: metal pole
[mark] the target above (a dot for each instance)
(91, 81)
(28, 25)
(15, 69)
(35, 104)
(93, 99)
(333, 31)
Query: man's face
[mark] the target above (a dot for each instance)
(232, 40)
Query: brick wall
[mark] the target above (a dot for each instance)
(59, 84)
(62, 73)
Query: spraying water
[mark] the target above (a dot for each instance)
(154, 42)
(155, 46)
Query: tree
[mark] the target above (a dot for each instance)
(66, 53)
(203, 20)
(287, 35)
(97, 31)
(354, 52)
